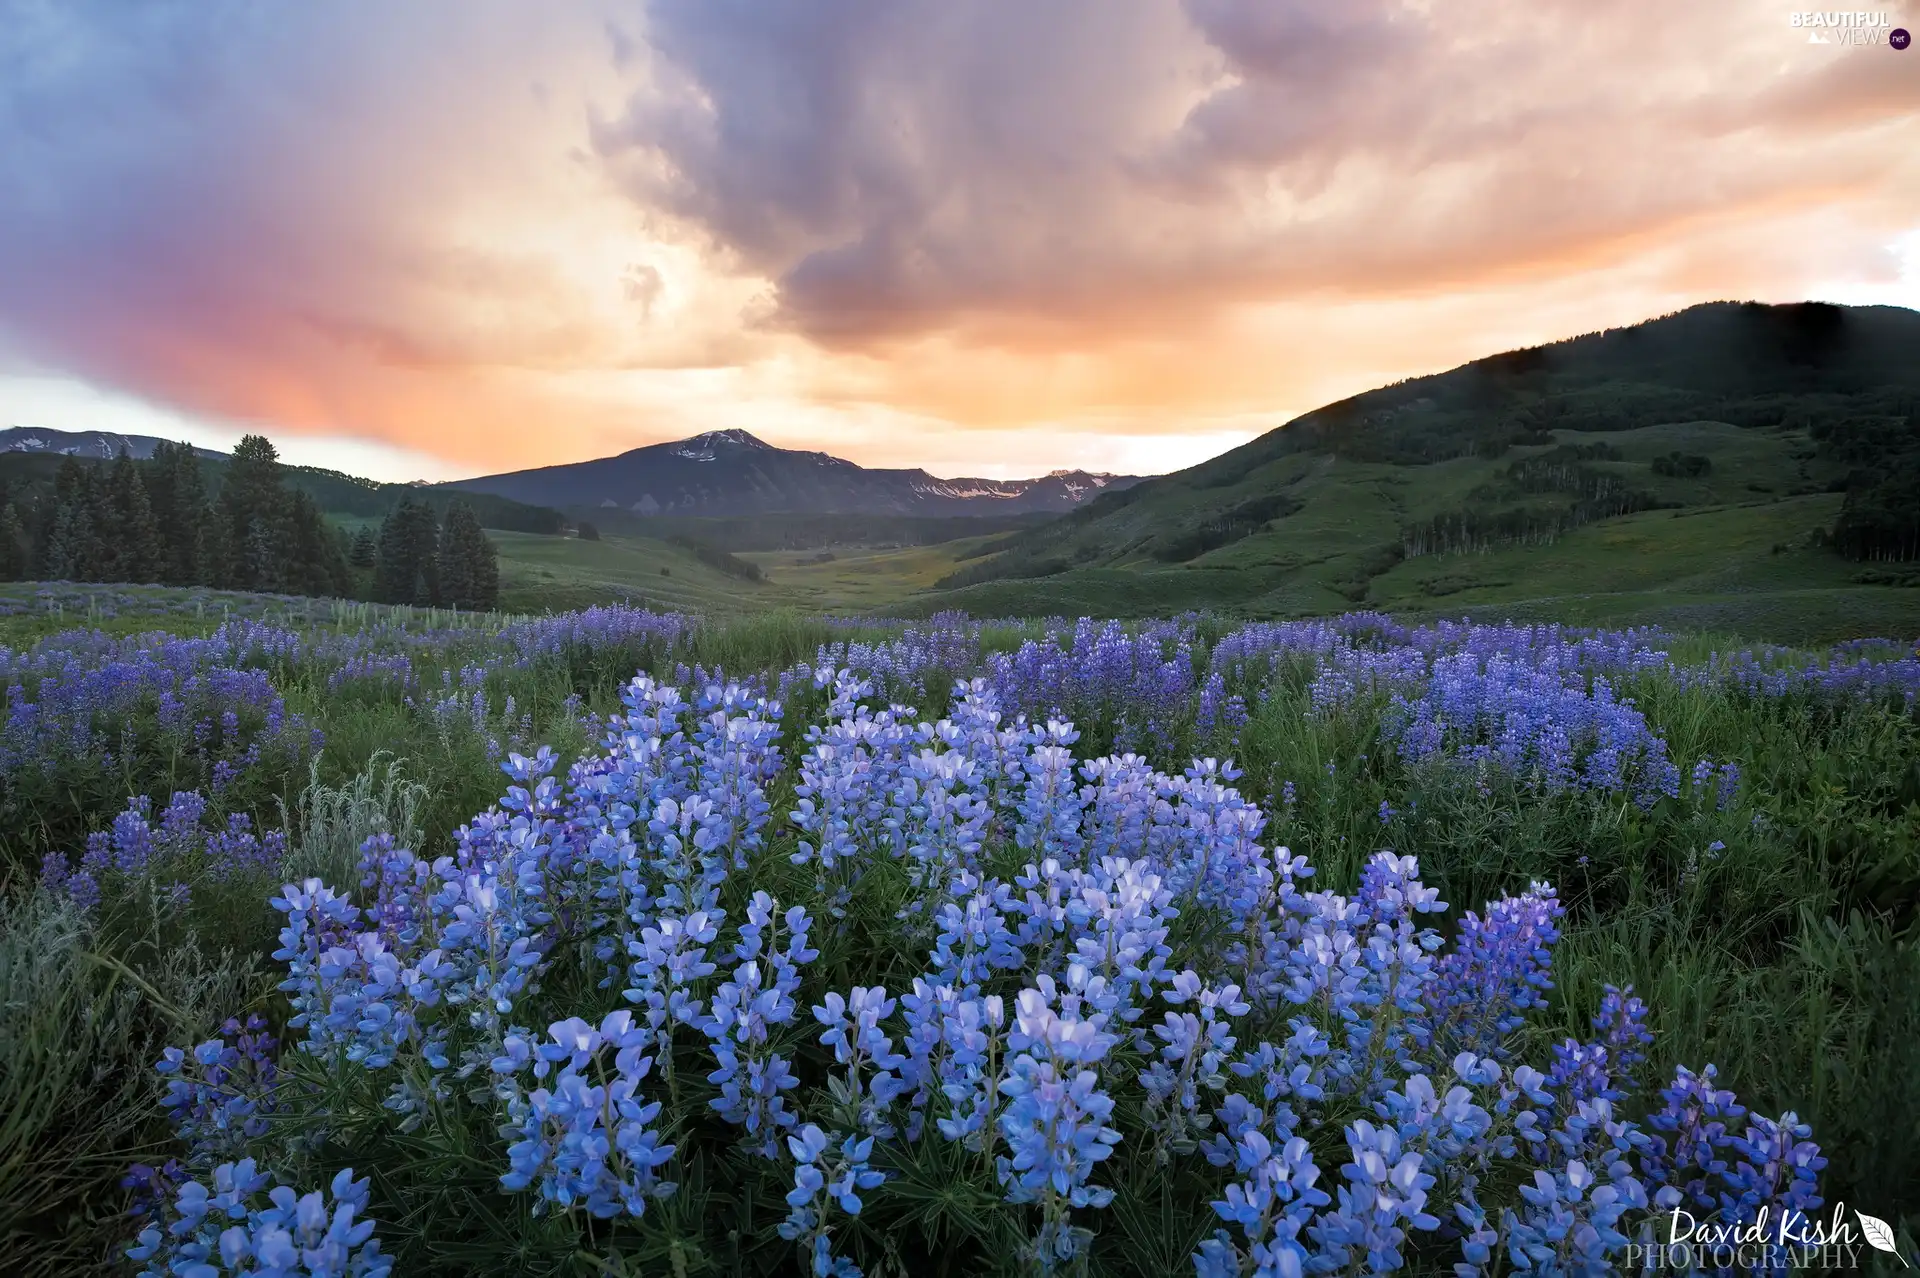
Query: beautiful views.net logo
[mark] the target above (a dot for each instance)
(1849, 26)
(1790, 1240)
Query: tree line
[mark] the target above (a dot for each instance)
(161, 522)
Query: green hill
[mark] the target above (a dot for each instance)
(1712, 464)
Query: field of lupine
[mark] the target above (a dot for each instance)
(353, 941)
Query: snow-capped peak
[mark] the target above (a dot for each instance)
(702, 446)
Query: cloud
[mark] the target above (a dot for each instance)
(906, 168)
(509, 236)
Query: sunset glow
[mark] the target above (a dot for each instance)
(435, 240)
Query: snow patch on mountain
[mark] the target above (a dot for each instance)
(708, 445)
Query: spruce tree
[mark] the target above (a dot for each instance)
(178, 493)
(99, 558)
(130, 536)
(407, 569)
(469, 568)
(486, 572)
(366, 548)
(68, 546)
(252, 506)
(257, 558)
(63, 548)
(388, 566)
(216, 548)
(456, 557)
(424, 552)
(13, 545)
(316, 563)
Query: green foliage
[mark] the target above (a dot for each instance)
(85, 1010)
(153, 521)
(469, 572)
(177, 491)
(407, 570)
(15, 550)
(732, 565)
(1241, 519)
(1681, 465)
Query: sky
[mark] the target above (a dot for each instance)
(988, 237)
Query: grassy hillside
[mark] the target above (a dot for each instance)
(808, 532)
(539, 573)
(1688, 469)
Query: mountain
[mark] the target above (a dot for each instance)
(727, 473)
(1728, 459)
(82, 443)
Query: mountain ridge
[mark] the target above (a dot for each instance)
(93, 444)
(731, 472)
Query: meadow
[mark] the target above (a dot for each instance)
(349, 939)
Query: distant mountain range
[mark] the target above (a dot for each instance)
(726, 473)
(83, 443)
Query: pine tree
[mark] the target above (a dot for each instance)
(486, 573)
(257, 556)
(68, 545)
(216, 548)
(407, 569)
(469, 569)
(252, 506)
(131, 547)
(456, 561)
(63, 549)
(388, 568)
(315, 562)
(177, 491)
(13, 545)
(366, 548)
(425, 555)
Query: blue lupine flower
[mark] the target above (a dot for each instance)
(822, 1181)
(227, 1230)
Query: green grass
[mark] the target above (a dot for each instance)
(1743, 569)
(1731, 559)
(539, 573)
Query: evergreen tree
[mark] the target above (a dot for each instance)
(486, 573)
(315, 562)
(13, 545)
(216, 547)
(366, 548)
(177, 491)
(252, 506)
(130, 537)
(388, 566)
(469, 569)
(69, 541)
(456, 564)
(408, 569)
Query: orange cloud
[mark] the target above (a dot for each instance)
(507, 238)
